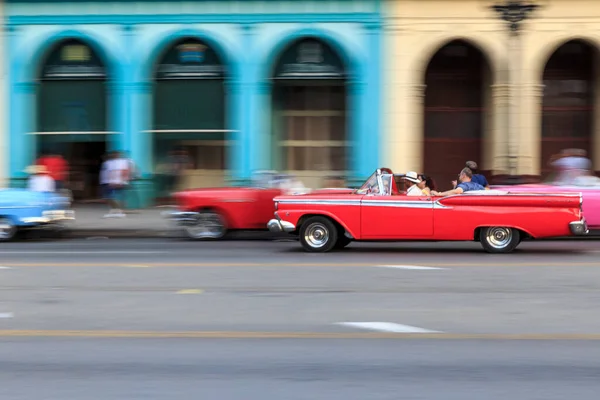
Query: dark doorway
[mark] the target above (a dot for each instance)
(71, 113)
(190, 114)
(457, 80)
(310, 135)
(568, 101)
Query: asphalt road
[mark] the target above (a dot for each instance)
(157, 319)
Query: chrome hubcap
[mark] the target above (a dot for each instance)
(316, 235)
(208, 225)
(499, 237)
(6, 228)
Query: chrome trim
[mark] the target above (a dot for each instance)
(578, 228)
(276, 225)
(437, 205)
(184, 218)
(322, 202)
(35, 220)
(427, 204)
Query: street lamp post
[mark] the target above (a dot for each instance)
(514, 12)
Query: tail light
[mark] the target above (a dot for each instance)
(276, 205)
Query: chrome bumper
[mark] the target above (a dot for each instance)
(275, 225)
(183, 218)
(50, 217)
(579, 228)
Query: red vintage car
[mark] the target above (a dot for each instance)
(213, 212)
(379, 212)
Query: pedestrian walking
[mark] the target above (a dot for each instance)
(117, 170)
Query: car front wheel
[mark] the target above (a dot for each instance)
(499, 239)
(318, 235)
(208, 225)
(8, 229)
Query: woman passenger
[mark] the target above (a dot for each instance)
(427, 184)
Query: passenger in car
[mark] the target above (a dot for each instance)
(412, 184)
(477, 177)
(427, 184)
(465, 185)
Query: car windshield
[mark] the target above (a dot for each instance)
(386, 180)
(370, 186)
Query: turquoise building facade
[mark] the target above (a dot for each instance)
(121, 43)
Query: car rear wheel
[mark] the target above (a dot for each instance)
(318, 235)
(8, 229)
(208, 225)
(498, 239)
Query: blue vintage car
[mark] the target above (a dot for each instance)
(25, 209)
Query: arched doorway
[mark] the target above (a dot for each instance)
(457, 88)
(71, 113)
(310, 134)
(568, 101)
(189, 123)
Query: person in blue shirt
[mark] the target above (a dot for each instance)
(465, 185)
(477, 178)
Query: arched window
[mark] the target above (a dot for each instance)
(456, 79)
(189, 111)
(568, 101)
(72, 112)
(310, 107)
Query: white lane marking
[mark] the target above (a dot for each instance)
(415, 267)
(387, 327)
(81, 252)
(6, 315)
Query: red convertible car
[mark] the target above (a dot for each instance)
(211, 213)
(379, 212)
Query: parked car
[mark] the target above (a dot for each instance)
(22, 209)
(213, 212)
(379, 212)
(587, 185)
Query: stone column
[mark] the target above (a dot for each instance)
(4, 139)
(407, 128)
(22, 122)
(371, 137)
(530, 137)
(358, 124)
(498, 137)
(234, 152)
(139, 98)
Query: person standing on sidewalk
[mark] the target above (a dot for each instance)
(40, 180)
(117, 170)
(57, 167)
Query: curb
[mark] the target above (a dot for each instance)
(173, 234)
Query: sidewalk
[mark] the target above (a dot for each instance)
(146, 223)
(149, 222)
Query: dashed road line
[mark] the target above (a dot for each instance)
(386, 327)
(410, 267)
(190, 291)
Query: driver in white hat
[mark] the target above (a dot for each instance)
(412, 182)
